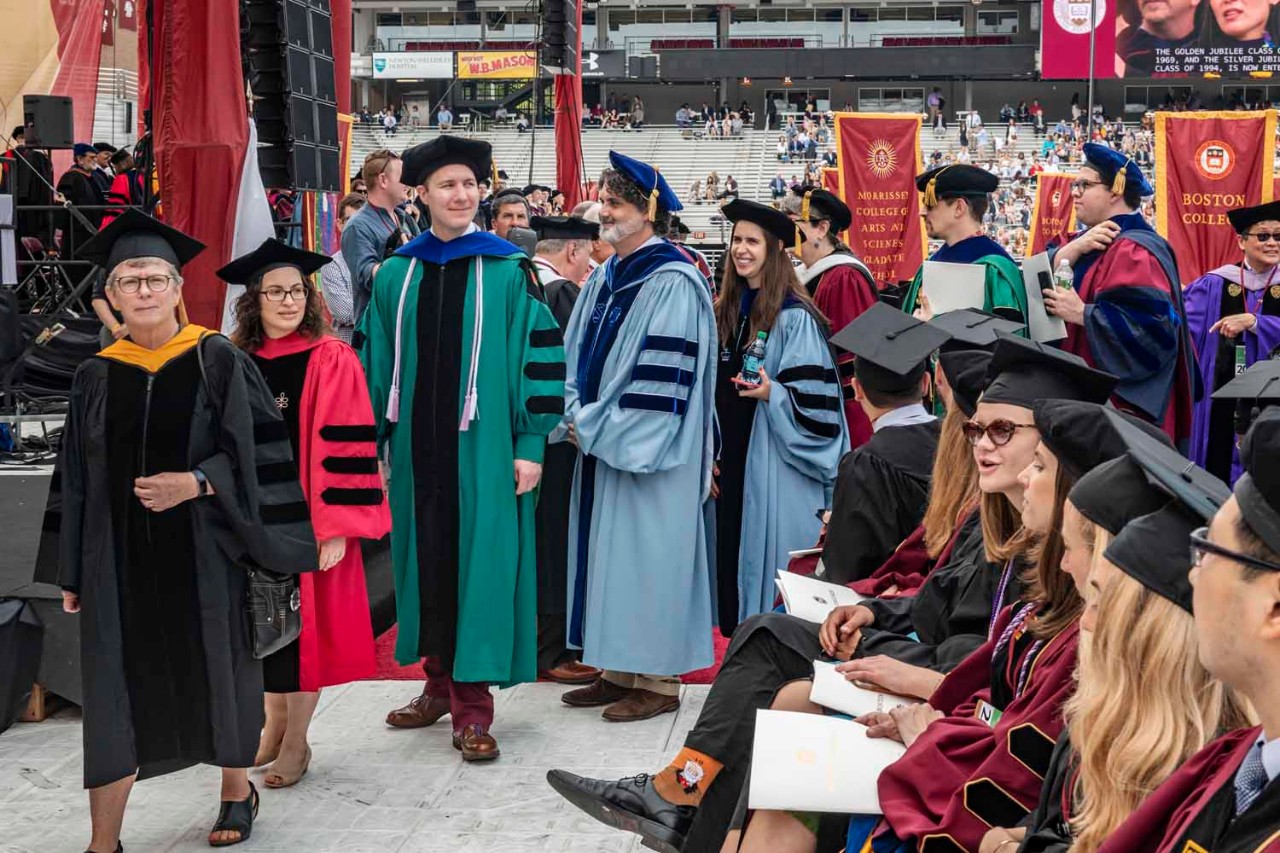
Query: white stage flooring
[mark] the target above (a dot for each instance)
(371, 788)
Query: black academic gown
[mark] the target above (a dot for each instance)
(553, 513)
(880, 497)
(1048, 828)
(78, 187)
(169, 675)
(951, 613)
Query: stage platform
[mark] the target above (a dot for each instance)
(371, 788)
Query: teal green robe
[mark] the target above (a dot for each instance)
(463, 542)
(1004, 294)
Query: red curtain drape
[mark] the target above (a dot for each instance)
(201, 133)
(80, 34)
(568, 127)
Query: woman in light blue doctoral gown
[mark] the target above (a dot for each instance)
(781, 440)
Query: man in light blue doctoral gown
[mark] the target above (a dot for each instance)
(639, 403)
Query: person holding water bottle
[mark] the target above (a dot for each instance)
(1233, 315)
(778, 401)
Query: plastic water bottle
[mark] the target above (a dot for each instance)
(753, 360)
(1063, 277)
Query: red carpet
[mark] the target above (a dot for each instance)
(389, 670)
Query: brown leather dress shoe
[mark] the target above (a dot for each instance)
(423, 711)
(640, 705)
(599, 692)
(477, 744)
(572, 672)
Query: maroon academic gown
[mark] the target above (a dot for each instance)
(910, 564)
(842, 294)
(964, 774)
(1173, 817)
(1112, 337)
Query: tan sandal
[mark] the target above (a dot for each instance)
(288, 781)
(263, 759)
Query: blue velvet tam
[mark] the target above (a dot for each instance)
(1109, 163)
(649, 180)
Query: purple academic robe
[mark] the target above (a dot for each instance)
(1204, 302)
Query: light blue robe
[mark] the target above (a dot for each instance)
(791, 468)
(639, 585)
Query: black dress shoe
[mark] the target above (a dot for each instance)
(629, 804)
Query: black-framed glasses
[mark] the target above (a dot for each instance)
(1079, 185)
(1265, 237)
(277, 294)
(1000, 431)
(1200, 546)
(134, 283)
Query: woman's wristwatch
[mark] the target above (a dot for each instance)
(202, 483)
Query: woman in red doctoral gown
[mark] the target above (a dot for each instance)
(320, 390)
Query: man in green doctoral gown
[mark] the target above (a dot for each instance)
(955, 201)
(466, 370)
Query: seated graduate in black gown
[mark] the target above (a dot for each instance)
(1226, 798)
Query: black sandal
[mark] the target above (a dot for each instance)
(119, 848)
(236, 816)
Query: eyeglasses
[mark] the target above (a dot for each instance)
(1265, 237)
(1200, 546)
(1080, 185)
(277, 294)
(133, 283)
(1000, 431)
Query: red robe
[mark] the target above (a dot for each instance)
(842, 295)
(1164, 817)
(963, 776)
(337, 466)
(1125, 264)
(910, 564)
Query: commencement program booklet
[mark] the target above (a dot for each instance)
(810, 599)
(832, 690)
(1037, 277)
(951, 287)
(808, 762)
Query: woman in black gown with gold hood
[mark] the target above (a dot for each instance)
(175, 474)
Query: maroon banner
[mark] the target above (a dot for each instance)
(1064, 39)
(1053, 217)
(1210, 163)
(878, 158)
(568, 127)
(79, 25)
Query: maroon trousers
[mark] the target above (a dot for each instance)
(469, 701)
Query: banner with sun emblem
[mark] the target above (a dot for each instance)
(878, 158)
(1053, 216)
(1206, 164)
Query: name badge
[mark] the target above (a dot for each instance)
(1241, 358)
(987, 713)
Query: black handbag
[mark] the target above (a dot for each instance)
(273, 602)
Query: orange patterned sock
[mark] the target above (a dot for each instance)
(685, 780)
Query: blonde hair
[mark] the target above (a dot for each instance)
(1142, 656)
(953, 488)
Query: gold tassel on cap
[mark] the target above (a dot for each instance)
(653, 197)
(931, 189)
(493, 167)
(1119, 181)
(804, 209)
(799, 240)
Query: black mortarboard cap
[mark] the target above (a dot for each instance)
(1258, 489)
(271, 254)
(502, 174)
(1244, 218)
(772, 220)
(1260, 382)
(827, 205)
(1154, 550)
(1178, 476)
(1023, 371)
(970, 328)
(104, 146)
(532, 188)
(954, 181)
(422, 160)
(891, 346)
(564, 228)
(1116, 492)
(1080, 434)
(966, 372)
(678, 226)
(133, 234)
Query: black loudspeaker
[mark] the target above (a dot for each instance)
(287, 50)
(49, 121)
(559, 54)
